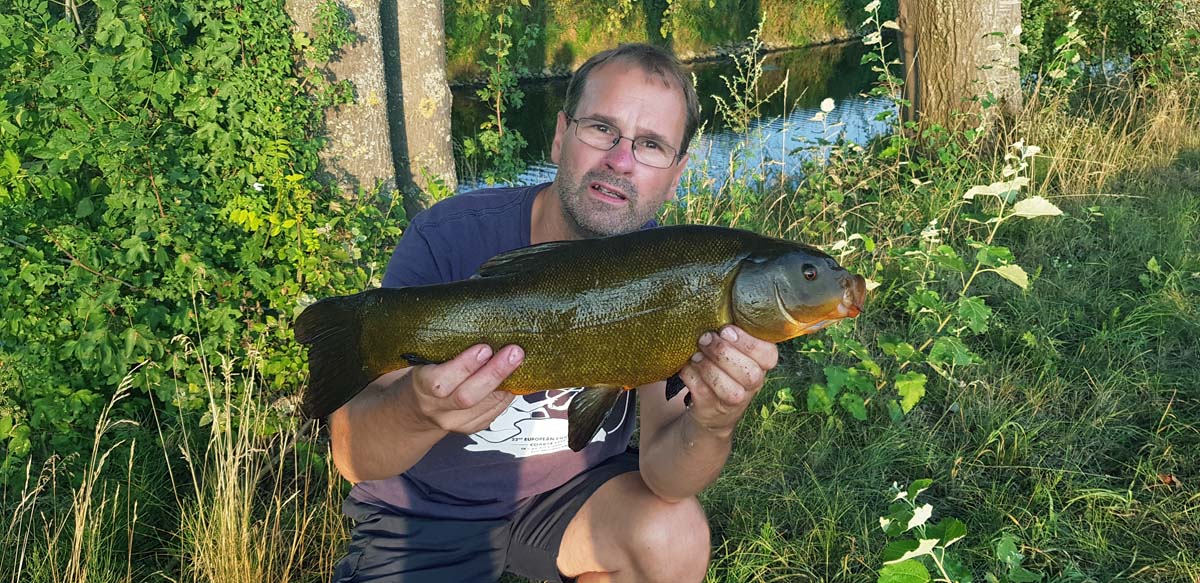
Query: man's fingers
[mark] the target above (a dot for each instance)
(764, 354)
(719, 352)
(488, 377)
(440, 380)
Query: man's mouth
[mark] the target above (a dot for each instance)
(607, 192)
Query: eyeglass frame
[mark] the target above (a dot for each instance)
(632, 141)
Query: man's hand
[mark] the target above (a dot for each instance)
(460, 395)
(724, 375)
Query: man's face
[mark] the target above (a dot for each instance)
(609, 192)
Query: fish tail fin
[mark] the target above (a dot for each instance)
(587, 412)
(331, 328)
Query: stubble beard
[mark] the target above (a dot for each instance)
(590, 218)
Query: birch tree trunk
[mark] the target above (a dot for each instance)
(359, 152)
(419, 104)
(953, 61)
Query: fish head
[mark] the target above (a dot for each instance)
(793, 291)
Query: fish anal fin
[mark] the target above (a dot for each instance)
(587, 412)
(674, 385)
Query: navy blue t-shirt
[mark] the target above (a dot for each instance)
(524, 452)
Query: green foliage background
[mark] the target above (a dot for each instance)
(154, 182)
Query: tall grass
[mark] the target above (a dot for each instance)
(249, 499)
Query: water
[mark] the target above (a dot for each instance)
(779, 140)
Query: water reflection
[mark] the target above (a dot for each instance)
(783, 135)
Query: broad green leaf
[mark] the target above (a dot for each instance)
(6, 425)
(911, 387)
(948, 350)
(975, 313)
(993, 255)
(1035, 206)
(918, 486)
(904, 572)
(945, 256)
(920, 549)
(1015, 274)
(948, 531)
(819, 400)
(854, 405)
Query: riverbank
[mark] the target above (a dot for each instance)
(696, 30)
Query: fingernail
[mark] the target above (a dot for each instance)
(697, 357)
(729, 334)
(515, 355)
(484, 353)
(706, 339)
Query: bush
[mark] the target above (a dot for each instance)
(154, 181)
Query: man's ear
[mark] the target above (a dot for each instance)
(678, 170)
(560, 131)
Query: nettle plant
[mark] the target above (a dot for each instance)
(920, 552)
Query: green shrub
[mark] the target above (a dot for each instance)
(156, 160)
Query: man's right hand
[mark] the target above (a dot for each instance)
(460, 395)
(392, 424)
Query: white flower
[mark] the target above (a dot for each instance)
(258, 186)
(827, 105)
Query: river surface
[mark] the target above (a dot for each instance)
(783, 134)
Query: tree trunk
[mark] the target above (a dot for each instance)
(359, 152)
(952, 61)
(419, 104)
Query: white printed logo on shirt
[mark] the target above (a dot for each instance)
(536, 424)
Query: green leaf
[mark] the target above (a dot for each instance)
(84, 208)
(975, 313)
(910, 571)
(6, 425)
(918, 486)
(948, 531)
(1015, 274)
(1035, 206)
(945, 256)
(993, 255)
(952, 351)
(819, 400)
(854, 405)
(911, 387)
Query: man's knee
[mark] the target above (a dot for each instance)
(672, 540)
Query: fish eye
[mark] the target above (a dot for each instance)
(810, 272)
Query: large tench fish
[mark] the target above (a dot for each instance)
(608, 314)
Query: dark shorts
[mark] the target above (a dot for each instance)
(393, 548)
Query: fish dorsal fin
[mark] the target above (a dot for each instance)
(522, 260)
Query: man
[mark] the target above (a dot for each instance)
(457, 482)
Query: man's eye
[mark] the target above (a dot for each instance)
(649, 144)
(599, 127)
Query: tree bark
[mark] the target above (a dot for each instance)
(419, 104)
(359, 152)
(951, 58)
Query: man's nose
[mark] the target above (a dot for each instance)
(620, 156)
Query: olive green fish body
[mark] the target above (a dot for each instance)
(616, 311)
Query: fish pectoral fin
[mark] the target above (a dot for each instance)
(587, 412)
(674, 385)
(416, 360)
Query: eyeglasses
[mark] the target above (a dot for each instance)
(603, 136)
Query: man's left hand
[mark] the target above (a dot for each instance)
(724, 375)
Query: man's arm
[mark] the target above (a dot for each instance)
(393, 423)
(684, 448)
